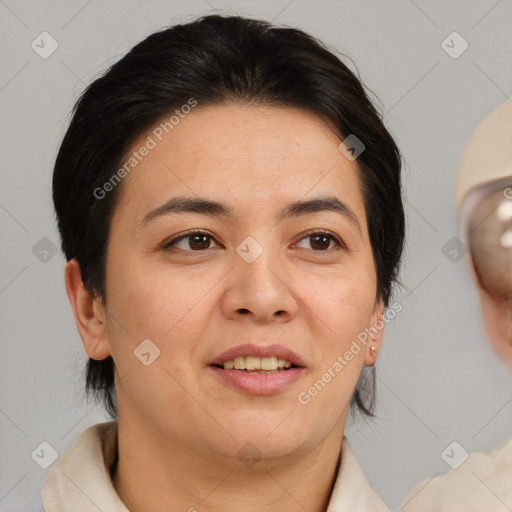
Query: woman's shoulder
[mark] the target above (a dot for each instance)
(82, 473)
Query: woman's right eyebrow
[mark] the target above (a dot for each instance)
(204, 206)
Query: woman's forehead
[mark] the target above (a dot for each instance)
(251, 150)
(240, 131)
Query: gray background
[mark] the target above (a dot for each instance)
(438, 379)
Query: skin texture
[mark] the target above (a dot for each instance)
(180, 425)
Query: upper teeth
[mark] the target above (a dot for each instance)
(256, 363)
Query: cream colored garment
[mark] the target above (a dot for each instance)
(80, 480)
(482, 483)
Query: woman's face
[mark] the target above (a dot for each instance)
(253, 277)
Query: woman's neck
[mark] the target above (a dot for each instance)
(177, 479)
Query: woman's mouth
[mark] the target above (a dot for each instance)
(258, 375)
(254, 364)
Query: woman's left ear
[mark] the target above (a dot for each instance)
(376, 332)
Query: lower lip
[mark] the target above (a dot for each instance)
(260, 383)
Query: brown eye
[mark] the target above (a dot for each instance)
(321, 241)
(191, 242)
(199, 242)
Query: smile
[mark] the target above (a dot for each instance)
(254, 364)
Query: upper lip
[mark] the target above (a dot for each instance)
(250, 349)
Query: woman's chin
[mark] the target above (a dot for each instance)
(257, 452)
(265, 440)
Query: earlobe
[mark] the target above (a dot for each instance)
(89, 313)
(376, 330)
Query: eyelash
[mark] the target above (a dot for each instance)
(339, 243)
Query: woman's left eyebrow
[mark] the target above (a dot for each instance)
(178, 205)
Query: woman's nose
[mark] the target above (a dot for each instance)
(258, 285)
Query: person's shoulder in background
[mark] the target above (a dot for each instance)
(482, 483)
